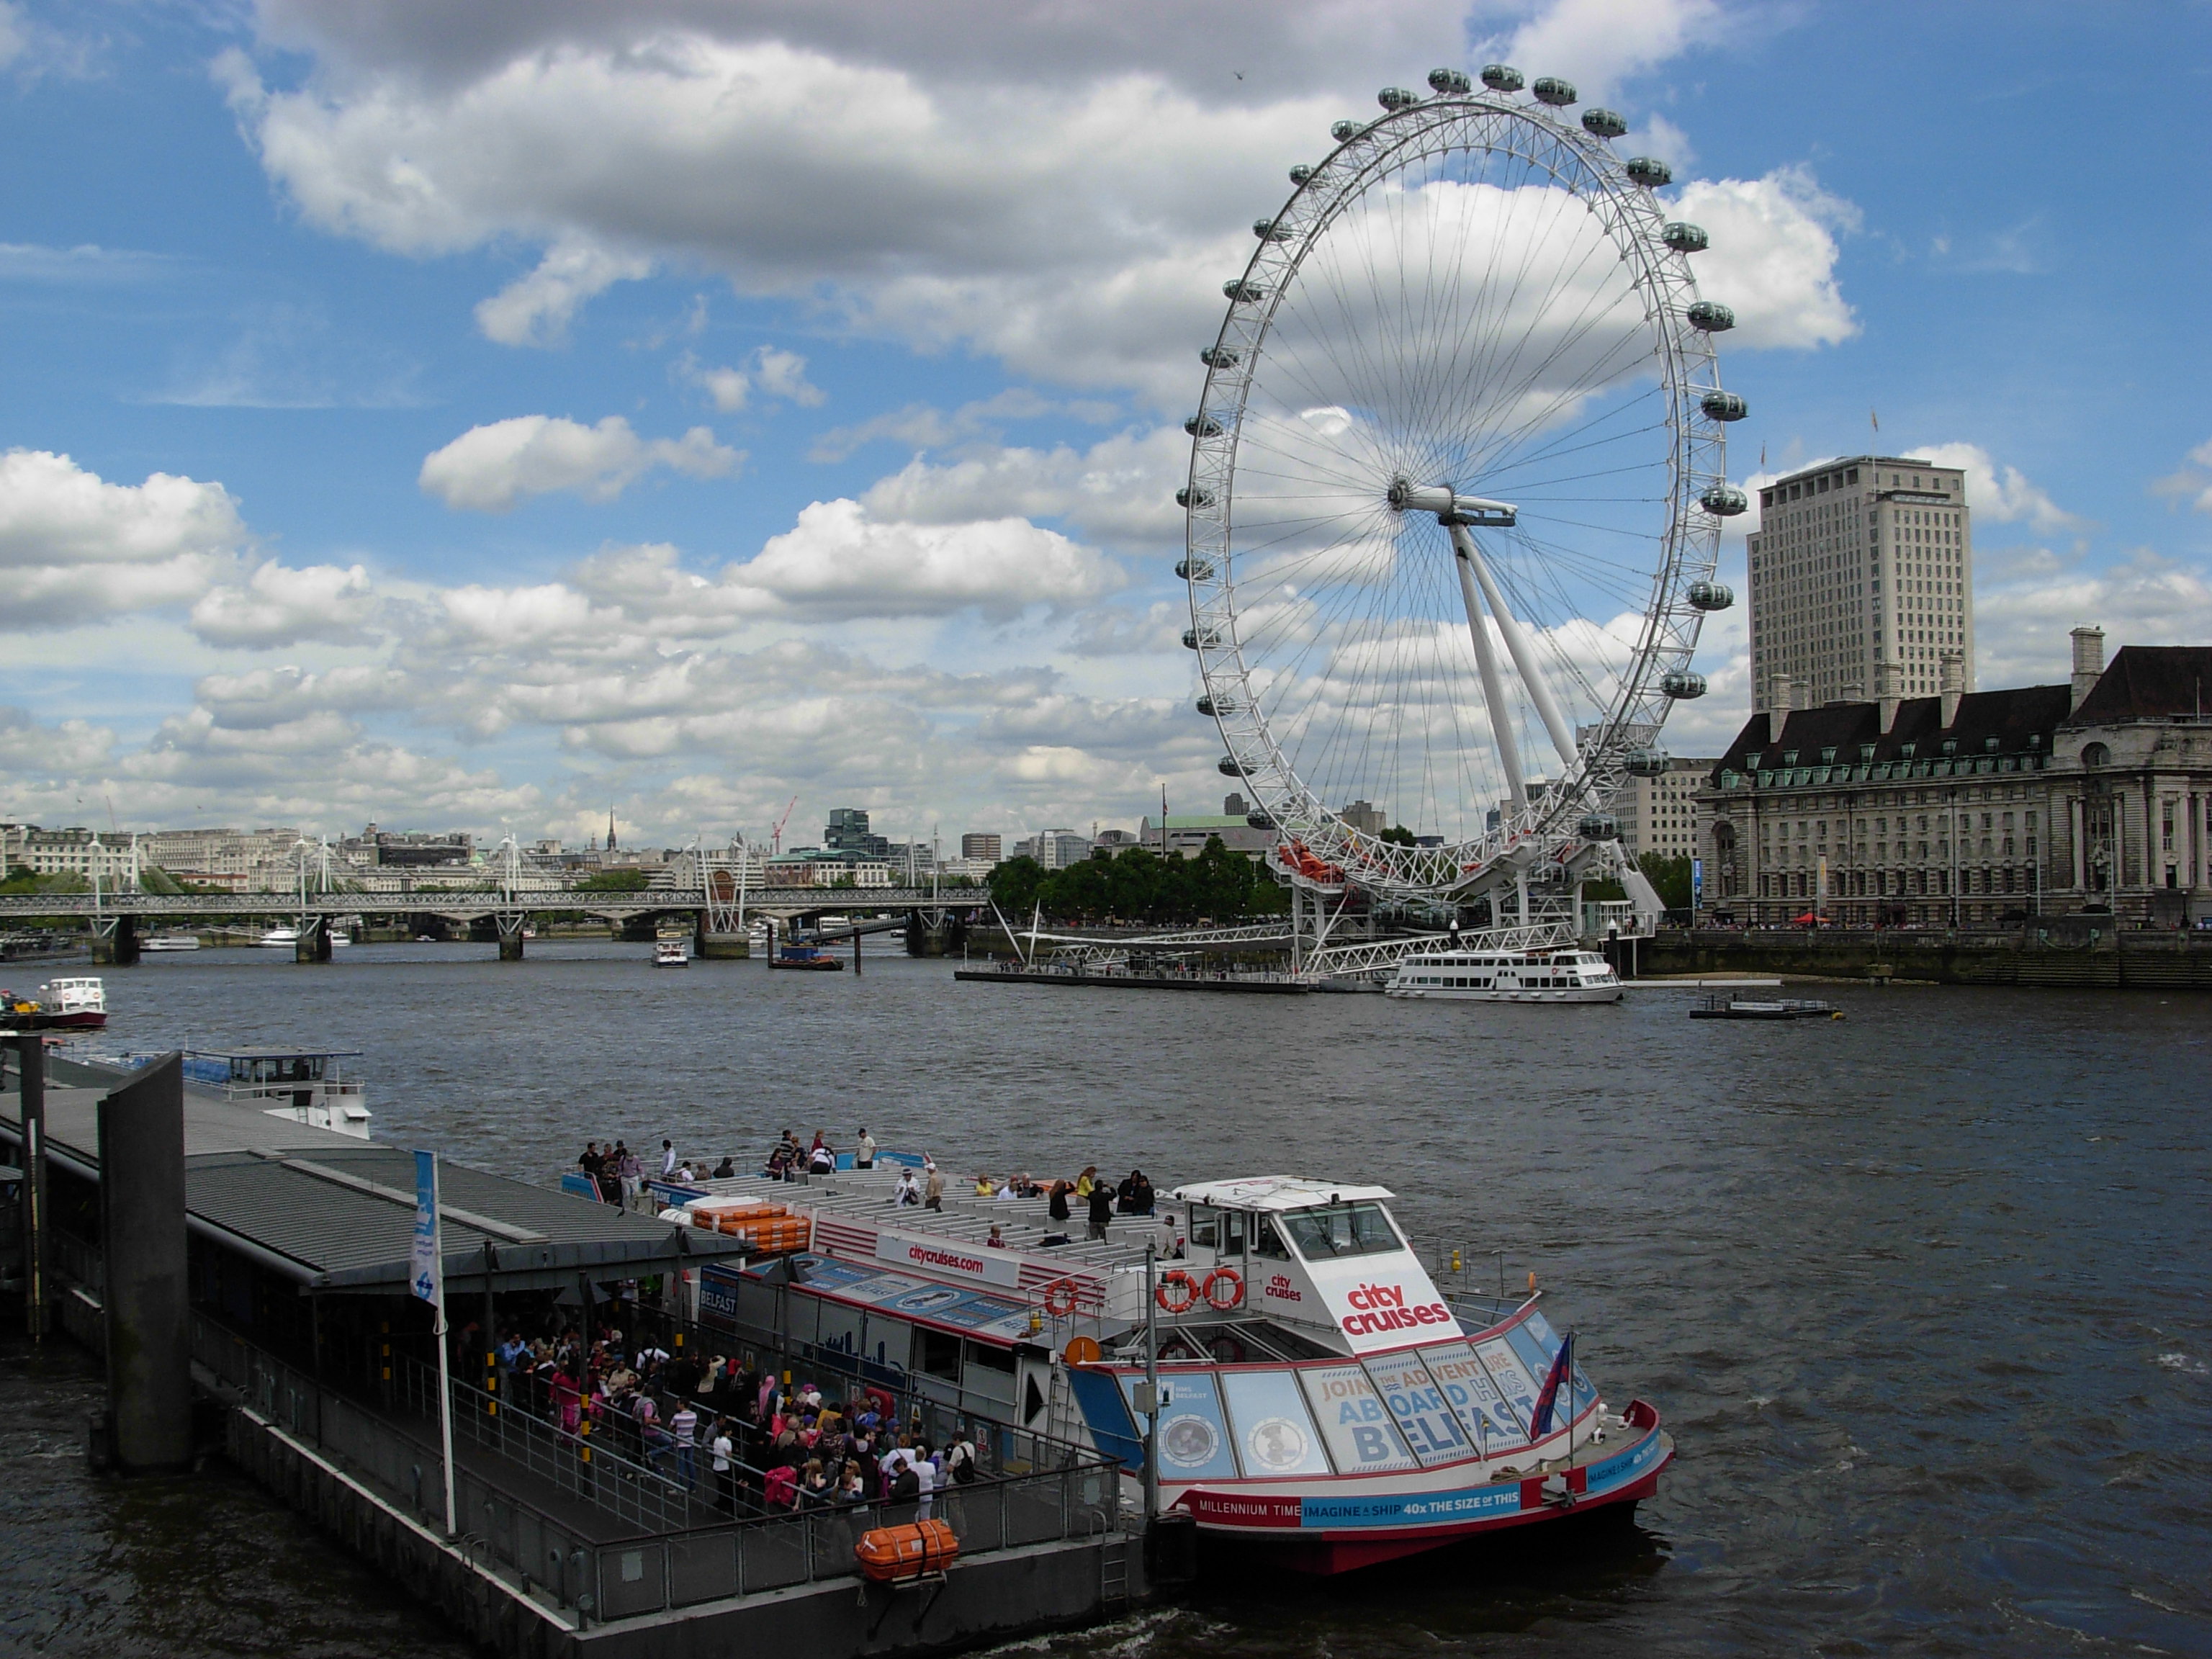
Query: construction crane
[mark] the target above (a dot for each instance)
(776, 838)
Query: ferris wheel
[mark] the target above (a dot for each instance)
(1455, 489)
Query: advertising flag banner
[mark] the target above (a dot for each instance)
(426, 1275)
(1563, 1367)
(1697, 884)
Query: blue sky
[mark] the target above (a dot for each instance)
(875, 339)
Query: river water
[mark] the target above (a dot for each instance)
(1921, 1293)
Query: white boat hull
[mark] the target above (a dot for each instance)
(1442, 994)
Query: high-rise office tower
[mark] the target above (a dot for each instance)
(1856, 565)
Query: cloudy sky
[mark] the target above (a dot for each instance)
(476, 415)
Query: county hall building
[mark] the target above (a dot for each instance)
(1972, 808)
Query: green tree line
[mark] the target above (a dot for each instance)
(1137, 885)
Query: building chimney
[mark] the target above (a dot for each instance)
(1951, 677)
(1854, 692)
(2089, 662)
(1781, 697)
(1889, 692)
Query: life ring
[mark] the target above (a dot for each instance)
(1060, 1298)
(1219, 1279)
(1176, 1291)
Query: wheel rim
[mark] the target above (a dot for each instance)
(1471, 295)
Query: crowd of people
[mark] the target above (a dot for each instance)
(725, 1428)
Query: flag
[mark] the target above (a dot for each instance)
(426, 1270)
(1875, 420)
(1563, 1367)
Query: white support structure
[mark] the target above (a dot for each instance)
(1493, 682)
(1517, 642)
(1370, 958)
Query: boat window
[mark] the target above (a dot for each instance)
(1232, 1233)
(1267, 1242)
(1204, 1225)
(1339, 1229)
(1274, 1435)
(936, 1353)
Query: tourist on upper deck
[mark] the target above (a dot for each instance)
(629, 1170)
(727, 1168)
(1086, 1181)
(864, 1150)
(934, 1189)
(1056, 1205)
(984, 1187)
(1009, 1190)
(667, 1159)
(908, 1193)
(1101, 1210)
(997, 1241)
(821, 1157)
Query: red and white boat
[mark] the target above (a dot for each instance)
(1319, 1394)
(76, 1004)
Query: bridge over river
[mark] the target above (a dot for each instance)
(719, 920)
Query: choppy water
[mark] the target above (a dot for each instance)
(1923, 1294)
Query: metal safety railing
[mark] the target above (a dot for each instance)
(669, 1548)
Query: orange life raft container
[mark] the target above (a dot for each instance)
(888, 1553)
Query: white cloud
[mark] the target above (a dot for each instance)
(63, 751)
(279, 605)
(771, 371)
(75, 547)
(1774, 256)
(2193, 482)
(2021, 622)
(1599, 44)
(1999, 494)
(488, 469)
(535, 310)
(1122, 487)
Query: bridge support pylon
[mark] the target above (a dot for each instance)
(313, 944)
(509, 923)
(114, 941)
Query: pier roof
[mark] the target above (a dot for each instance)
(332, 1213)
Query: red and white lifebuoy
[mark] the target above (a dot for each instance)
(1178, 1291)
(1060, 1298)
(1223, 1288)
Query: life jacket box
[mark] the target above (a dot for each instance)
(782, 1235)
(724, 1214)
(889, 1554)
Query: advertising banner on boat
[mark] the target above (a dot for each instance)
(948, 1258)
(1383, 1301)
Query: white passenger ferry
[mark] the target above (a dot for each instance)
(1320, 1395)
(1506, 976)
(306, 1085)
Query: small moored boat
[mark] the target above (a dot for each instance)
(1766, 1008)
(76, 1004)
(672, 953)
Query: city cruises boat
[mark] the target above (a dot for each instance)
(672, 953)
(1322, 1396)
(1457, 975)
(170, 942)
(304, 1085)
(279, 938)
(75, 1004)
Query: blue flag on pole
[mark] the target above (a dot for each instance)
(426, 1267)
(1562, 1368)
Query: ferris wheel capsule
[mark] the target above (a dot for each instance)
(1188, 497)
(1550, 89)
(1724, 406)
(1501, 77)
(1603, 123)
(1648, 763)
(1713, 318)
(1723, 501)
(1681, 684)
(1217, 357)
(1599, 826)
(1449, 82)
(1300, 173)
(1649, 172)
(1344, 130)
(1394, 99)
(1194, 570)
(1202, 426)
(1711, 595)
(1685, 238)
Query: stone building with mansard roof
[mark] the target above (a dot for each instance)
(1974, 808)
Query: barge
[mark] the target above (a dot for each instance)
(1299, 1378)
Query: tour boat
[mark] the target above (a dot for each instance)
(77, 1003)
(1459, 976)
(809, 956)
(170, 942)
(670, 953)
(1319, 1396)
(279, 938)
(304, 1085)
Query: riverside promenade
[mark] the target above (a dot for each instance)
(2073, 952)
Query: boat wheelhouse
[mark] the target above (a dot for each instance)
(306, 1085)
(1457, 975)
(1317, 1392)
